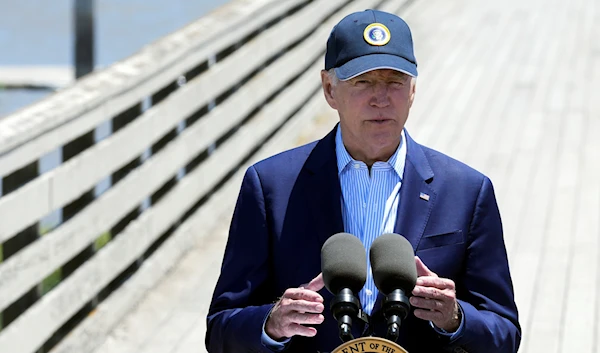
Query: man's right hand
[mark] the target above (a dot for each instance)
(297, 307)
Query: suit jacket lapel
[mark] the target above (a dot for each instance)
(416, 195)
(324, 188)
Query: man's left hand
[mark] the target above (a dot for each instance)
(436, 299)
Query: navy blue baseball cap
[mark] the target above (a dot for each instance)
(370, 40)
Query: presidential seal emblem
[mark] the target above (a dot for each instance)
(369, 345)
(377, 34)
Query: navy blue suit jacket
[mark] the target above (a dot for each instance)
(289, 204)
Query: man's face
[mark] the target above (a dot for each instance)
(373, 109)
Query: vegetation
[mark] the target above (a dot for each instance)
(50, 282)
(102, 240)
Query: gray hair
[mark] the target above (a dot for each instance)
(333, 77)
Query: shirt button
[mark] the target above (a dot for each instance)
(364, 204)
(368, 292)
(356, 165)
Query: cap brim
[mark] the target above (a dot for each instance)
(366, 63)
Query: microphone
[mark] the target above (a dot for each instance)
(344, 267)
(395, 275)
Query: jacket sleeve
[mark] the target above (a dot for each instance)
(241, 299)
(486, 293)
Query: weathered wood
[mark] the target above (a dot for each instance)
(42, 127)
(74, 177)
(46, 316)
(580, 323)
(94, 330)
(313, 121)
(393, 6)
(40, 259)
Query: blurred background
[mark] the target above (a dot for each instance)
(117, 189)
(41, 33)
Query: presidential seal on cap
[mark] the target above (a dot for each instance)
(370, 40)
(377, 34)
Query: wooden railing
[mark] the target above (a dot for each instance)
(177, 122)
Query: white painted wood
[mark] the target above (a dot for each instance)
(46, 316)
(73, 178)
(44, 126)
(21, 202)
(580, 307)
(393, 6)
(437, 66)
(530, 183)
(582, 287)
(81, 173)
(31, 265)
(94, 330)
(28, 267)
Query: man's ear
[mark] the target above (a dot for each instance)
(328, 89)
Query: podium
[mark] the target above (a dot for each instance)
(369, 345)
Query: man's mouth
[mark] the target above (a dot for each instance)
(379, 121)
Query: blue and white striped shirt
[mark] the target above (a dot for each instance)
(369, 201)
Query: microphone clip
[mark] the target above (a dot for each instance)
(395, 309)
(344, 306)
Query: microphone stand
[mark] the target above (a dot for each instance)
(395, 309)
(344, 306)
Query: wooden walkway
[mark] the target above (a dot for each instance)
(509, 87)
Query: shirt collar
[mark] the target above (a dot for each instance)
(397, 160)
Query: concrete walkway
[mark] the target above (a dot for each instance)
(510, 87)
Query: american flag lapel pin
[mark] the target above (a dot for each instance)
(424, 196)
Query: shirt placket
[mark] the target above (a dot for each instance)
(372, 211)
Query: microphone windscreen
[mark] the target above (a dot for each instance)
(393, 263)
(343, 263)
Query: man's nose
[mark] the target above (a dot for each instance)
(380, 95)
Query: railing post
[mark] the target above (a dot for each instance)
(84, 37)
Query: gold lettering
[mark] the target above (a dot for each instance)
(387, 349)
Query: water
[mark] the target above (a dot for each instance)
(39, 32)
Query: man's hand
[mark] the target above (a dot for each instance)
(297, 307)
(436, 298)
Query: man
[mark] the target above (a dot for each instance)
(367, 177)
